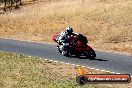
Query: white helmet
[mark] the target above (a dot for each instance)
(69, 30)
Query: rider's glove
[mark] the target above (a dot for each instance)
(65, 44)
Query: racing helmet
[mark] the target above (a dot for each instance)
(69, 30)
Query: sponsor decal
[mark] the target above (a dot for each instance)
(83, 78)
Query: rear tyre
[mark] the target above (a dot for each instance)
(91, 54)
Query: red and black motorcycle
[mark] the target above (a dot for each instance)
(75, 46)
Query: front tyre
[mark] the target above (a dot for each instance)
(58, 47)
(65, 53)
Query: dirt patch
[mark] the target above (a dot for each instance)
(106, 23)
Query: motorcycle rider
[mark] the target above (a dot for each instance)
(68, 37)
(65, 35)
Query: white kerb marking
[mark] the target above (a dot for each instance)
(55, 61)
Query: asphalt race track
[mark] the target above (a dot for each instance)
(105, 60)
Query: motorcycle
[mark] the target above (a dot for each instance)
(74, 47)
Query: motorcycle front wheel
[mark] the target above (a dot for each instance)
(65, 53)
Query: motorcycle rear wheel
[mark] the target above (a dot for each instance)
(90, 54)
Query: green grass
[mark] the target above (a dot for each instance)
(19, 71)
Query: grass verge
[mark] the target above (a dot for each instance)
(19, 71)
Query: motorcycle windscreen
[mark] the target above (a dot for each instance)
(55, 38)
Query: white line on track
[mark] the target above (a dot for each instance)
(55, 61)
(103, 70)
(77, 65)
(50, 60)
(97, 69)
(92, 68)
(61, 62)
(113, 72)
(107, 71)
(73, 64)
(45, 59)
(67, 63)
(88, 67)
(81, 66)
